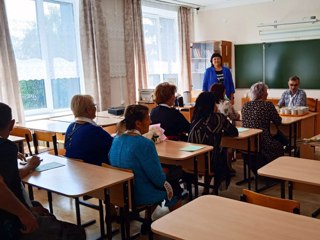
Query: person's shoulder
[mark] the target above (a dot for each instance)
(6, 144)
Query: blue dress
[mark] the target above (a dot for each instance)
(139, 154)
(88, 142)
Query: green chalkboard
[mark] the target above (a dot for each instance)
(249, 64)
(282, 60)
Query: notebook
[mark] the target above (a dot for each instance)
(48, 166)
(191, 148)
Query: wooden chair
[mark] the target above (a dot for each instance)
(271, 202)
(48, 137)
(25, 133)
(312, 103)
(116, 198)
(60, 141)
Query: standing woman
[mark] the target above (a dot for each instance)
(130, 150)
(258, 113)
(84, 139)
(207, 127)
(218, 74)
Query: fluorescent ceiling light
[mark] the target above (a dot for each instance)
(290, 33)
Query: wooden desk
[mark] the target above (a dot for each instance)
(48, 125)
(299, 127)
(109, 123)
(187, 112)
(18, 141)
(169, 152)
(307, 149)
(212, 217)
(246, 141)
(303, 172)
(76, 179)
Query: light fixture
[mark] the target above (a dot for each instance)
(286, 31)
(275, 24)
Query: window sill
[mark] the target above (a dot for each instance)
(47, 115)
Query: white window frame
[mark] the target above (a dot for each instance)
(49, 110)
(169, 14)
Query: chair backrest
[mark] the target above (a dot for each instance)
(312, 103)
(46, 137)
(116, 192)
(271, 202)
(23, 132)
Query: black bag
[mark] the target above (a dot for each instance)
(280, 137)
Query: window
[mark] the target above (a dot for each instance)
(161, 45)
(45, 40)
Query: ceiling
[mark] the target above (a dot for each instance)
(211, 4)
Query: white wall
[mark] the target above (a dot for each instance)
(239, 25)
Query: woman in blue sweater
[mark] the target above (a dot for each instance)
(132, 151)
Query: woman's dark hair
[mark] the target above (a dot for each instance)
(164, 91)
(6, 115)
(218, 90)
(215, 55)
(205, 104)
(132, 114)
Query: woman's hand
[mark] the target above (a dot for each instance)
(169, 190)
(21, 157)
(33, 162)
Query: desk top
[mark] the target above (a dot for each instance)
(101, 121)
(75, 178)
(294, 169)
(15, 138)
(48, 125)
(171, 150)
(213, 217)
(290, 120)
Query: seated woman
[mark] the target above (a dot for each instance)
(132, 151)
(207, 127)
(258, 113)
(84, 139)
(171, 119)
(224, 106)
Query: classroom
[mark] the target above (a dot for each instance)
(118, 50)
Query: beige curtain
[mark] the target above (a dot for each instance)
(9, 83)
(134, 49)
(95, 53)
(184, 19)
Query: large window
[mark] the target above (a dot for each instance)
(161, 45)
(45, 43)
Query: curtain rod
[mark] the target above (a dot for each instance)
(176, 3)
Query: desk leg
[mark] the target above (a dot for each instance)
(101, 218)
(30, 191)
(290, 189)
(290, 138)
(206, 171)
(108, 215)
(295, 139)
(78, 211)
(126, 234)
(50, 201)
(195, 165)
(249, 164)
(283, 189)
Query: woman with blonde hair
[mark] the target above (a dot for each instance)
(84, 139)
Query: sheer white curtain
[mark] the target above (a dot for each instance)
(95, 53)
(184, 23)
(134, 49)
(9, 83)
